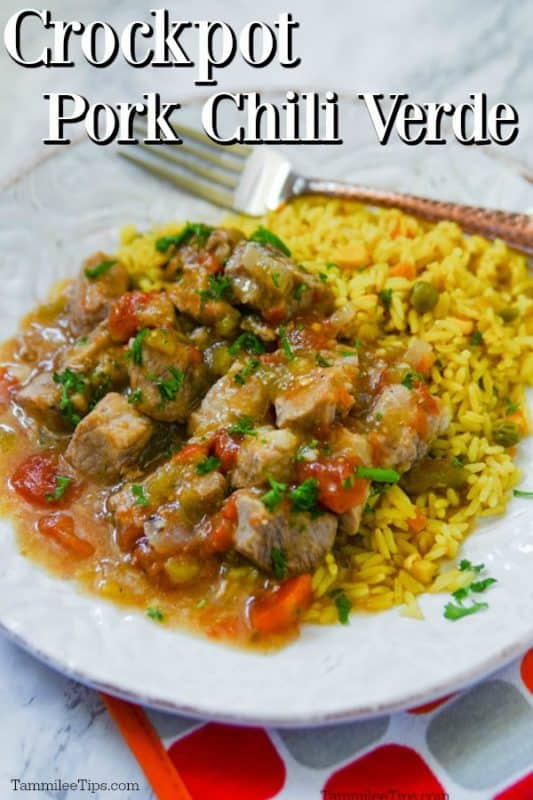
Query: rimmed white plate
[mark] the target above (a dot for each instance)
(75, 201)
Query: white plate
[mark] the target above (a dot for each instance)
(75, 202)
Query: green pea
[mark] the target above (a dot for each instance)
(508, 314)
(424, 296)
(505, 433)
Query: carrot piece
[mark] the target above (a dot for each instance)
(191, 452)
(147, 748)
(276, 611)
(60, 527)
(520, 420)
(403, 270)
(418, 522)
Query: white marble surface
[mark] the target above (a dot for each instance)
(50, 727)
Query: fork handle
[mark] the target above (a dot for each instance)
(516, 229)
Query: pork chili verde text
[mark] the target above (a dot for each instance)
(228, 424)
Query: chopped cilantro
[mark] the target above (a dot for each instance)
(305, 496)
(461, 593)
(411, 378)
(321, 361)
(347, 353)
(344, 606)
(138, 492)
(100, 269)
(480, 586)
(275, 279)
(455, 612)
(279, 563)
(299, 291)
(135, 351)
(62, 484)
(274, 496)
(155, 613)
(135, 397)
(82, 340)
(285, 344)
(169, 387)
(458, 461)
(511, 409)
(465, 565)
(348, 482)
(244, 426)
(265, 237)
(378, 416)
(190, 229)
(331, 265)
(207, 465)
(323, 277)
(385, 295)
(249, 342)
(71, 383)
(241, 376)
(521, 493)
(477, 338)
(378, 474)
(219, 285)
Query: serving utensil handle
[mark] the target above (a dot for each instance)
(514, 228)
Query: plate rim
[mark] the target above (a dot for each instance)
(464, 679)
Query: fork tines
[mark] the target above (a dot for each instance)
(198, 165)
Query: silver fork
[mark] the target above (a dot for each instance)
(255, 181)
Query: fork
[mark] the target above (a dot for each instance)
(255, 181)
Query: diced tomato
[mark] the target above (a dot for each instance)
(418, 522)
(123, 319)
(191, 452)
(60, 527)
(35, 481)
(281, 609)
(275, 314)
(229, 509)
(338, 488)
(195, 355)
(7, 383)
(210, 262)
(221, 536)
(222, 527)
(226, 449)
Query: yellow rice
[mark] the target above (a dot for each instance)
(386, 563)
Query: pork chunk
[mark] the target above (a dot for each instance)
(170, 528)
(40, 398)
(170, 378)
(227, 400)
(266, 455)
(273, 284)
(303, 540)
(109, 439)
(317, 398)
(407, 421)
(91, 297)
